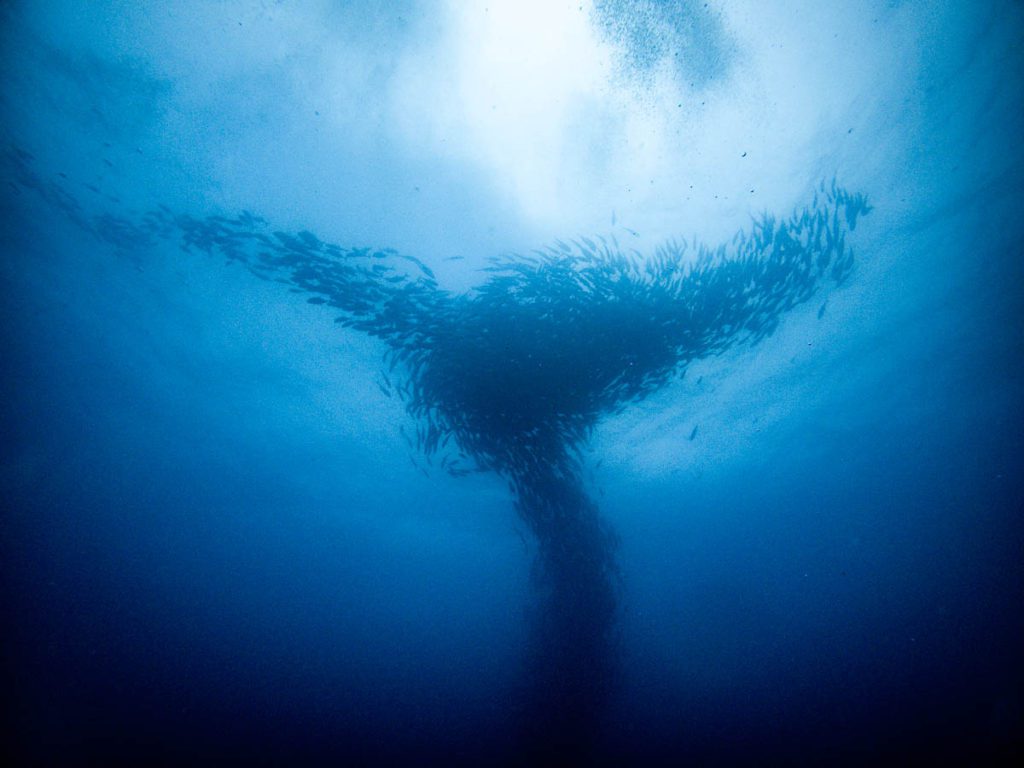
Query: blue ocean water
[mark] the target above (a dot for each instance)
(512, 383)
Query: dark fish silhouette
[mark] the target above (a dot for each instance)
(515, 375)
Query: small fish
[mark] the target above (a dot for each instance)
(694, 433)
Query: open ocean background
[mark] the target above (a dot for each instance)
(217, 544)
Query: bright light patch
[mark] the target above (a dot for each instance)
(534, 98)
(523, 70)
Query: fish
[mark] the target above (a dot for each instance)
(516, 374)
